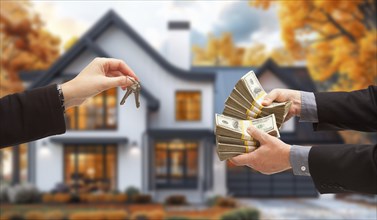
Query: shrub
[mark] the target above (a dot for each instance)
(121, 198)
(83, 197)
(55, 215)
(177, 218)
(47, 198)
(240, 214)
(60, 188)
(142, 199)
(116, 215)
(75, 198)
(176, 200)
(34, 215)
(132, 192)
(141, 215)
(212, 201)
(62, 197)
(23, 193)
(10, 216)
(226, 202)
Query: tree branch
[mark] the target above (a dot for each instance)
(327, 38)
(338, 26)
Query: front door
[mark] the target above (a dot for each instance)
(176, 164)
(89, 168)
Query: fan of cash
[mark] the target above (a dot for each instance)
(242, 109)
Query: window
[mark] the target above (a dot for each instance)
(90, 168)
(97, 113)
(176, 164)
(188, 106)
(14, 164)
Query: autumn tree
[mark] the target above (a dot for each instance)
(338, 39)
(223, 52)
(25, 44)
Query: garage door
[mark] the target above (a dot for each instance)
(244, 182)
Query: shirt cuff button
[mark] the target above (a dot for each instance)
(303, 168)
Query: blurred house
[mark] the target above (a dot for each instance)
(167, 145)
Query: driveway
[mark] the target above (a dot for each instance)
(324, 207)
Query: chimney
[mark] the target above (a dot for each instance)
(178, 45)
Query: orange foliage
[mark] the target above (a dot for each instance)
(335, 37)
(222, 52)
(26, 45)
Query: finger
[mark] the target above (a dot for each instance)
(122, 81)
(257, 134)
(121, 66)
(270, 97)
(243, 159)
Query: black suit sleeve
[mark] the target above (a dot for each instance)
(344, 168)
(347, 110)
(30, 115)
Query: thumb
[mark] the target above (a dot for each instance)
(257, 134)
(123, 81)
(270, 97)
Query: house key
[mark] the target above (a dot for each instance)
(135, 89)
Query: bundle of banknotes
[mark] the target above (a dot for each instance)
(242, 109)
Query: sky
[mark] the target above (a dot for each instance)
(149, 18)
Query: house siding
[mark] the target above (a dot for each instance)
(159, 81)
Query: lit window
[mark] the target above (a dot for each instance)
(96, 113)
(8, 157)
(90, 167)
(188, 106)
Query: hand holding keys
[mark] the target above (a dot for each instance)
(135, 88)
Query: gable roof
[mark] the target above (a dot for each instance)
(295, 77)
(87, 42)
(56, 69)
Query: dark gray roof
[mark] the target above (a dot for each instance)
(180, 133)
(91, 140)
(87, 42)
(296, 78)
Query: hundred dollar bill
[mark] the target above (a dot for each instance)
(230, 140)
(231, 127)
(227, 151)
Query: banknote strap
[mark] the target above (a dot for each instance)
(259, 107)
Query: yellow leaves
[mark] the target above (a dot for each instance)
(264, 4)
(222, 52)
(335, 37)
(25, 44)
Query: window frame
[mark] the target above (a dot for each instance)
(76, 115)
(200, 107)
(187, 183)
(104, 160)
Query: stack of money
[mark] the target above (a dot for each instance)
(245, 101)
(232, 138)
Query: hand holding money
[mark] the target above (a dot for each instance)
(232, 138)
(247, 106)
(271, 157)
(285, 95)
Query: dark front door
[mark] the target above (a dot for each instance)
(176, 164)
(244, 182)
(89, 167)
